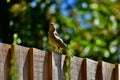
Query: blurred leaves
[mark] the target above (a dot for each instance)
(90, 28)
(14, 71)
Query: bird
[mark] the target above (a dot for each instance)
(55, 39)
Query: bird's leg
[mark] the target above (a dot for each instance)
(58, 50)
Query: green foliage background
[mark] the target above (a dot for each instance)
(91, 27)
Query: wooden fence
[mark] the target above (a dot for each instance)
(35, 64)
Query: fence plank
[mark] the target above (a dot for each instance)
(62, 67)
(106, 71)
(22, 61)
(38, 64)
(89, 69)
(4, 61)
(57, 64)
(76, 68)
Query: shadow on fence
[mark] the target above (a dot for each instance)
(35, 64)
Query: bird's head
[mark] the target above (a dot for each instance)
(52, 26)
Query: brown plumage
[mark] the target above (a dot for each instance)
(54, 38)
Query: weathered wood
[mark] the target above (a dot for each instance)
(117, 72)
(48, 65)
(35, 64)
(38, 64)
(4, 61)
(106, 71)
(22, 61)
(57, 63)
(99, 71)
(30, 63)
(76, 68)
(89, 69)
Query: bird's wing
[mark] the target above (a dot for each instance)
(57, 36)
(59, 40)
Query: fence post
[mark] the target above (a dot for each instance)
(48, 61)
(105, 71)
(30, 63)
(37, 64)
(89, 69)
(117, 72)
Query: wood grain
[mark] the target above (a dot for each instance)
(57, 64)
(4, 61)
(117, 72)
(89, 69)
(106, 71)
(35, 64)
(76, 68)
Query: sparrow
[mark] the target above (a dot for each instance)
(55, 39)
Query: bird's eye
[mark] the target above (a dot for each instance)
(51, 23)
